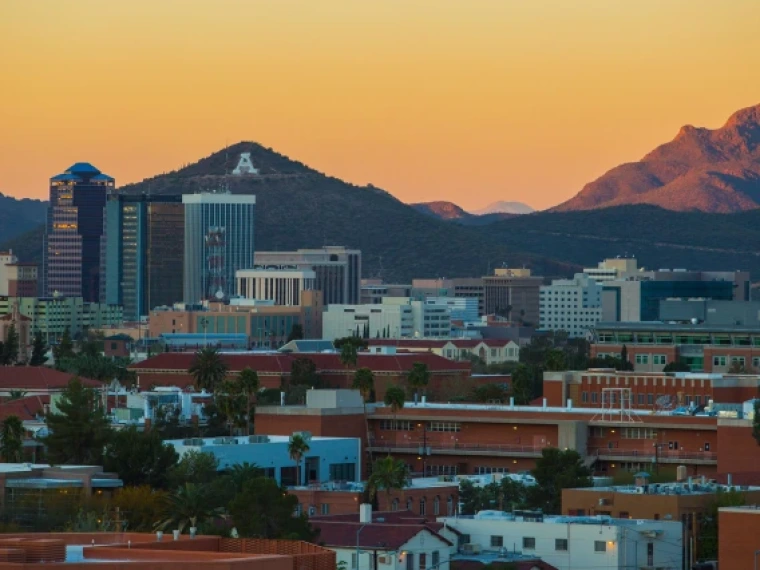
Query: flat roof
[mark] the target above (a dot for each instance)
(244, 440)
(676, 327)
(668, 489)
(606, 520)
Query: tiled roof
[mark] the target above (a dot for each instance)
(282, 363)
(391, 536)
(37, 378)
(25, 408)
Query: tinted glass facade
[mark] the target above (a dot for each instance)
(71, 261)
(218, 242)
(143, 253)
(652, 292)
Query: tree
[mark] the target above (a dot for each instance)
(756, 421)
(249, 387)
(303, 372)
(394, 398)
(296, 332)
(16, 395)
(39, 348)
(707, 543)
(231, 401)
(190, 505)
(88, 365)
(140, 458)
(297, 448)
(556, 470)
(139, 507)
(387, 474)
(418, 377)
(364, 381)
(64, 349)
(195, 467)
(79, 430)
(12, 439)
(521, 385)
(208, 369)
(625, 363)
(677, 366)
(349, 354)
(265, 510)
(556, 360)
(10, 352)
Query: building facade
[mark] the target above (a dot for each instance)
(374, 321)
(513, 294)
(143, 252)
(570, 305)
(338, 270)
(71, 251)
(219, 230)
(459, 308)
(458, 287)
(17, 279)
(283, 285)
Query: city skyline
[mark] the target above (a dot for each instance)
(507, 101)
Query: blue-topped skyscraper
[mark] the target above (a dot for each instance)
(218, 242)
(71, 258)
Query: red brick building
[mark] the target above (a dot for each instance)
(737, 537)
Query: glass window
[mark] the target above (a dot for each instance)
(600, 546)
(719, 360)
(529, 543)
(435, 559)
(423, 560)
(497, 541)
(560, 544)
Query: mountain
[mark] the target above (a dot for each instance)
(699, 170)
(503, 207)
(19, 216)
(298, 207)
(441, 210)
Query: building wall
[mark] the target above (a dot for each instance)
(740, 457)
(737, 536)
(517, 298)
(422, 543)
(570, 305)
(392, 321)
(283, 286)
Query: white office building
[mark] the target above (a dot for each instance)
(570, 305)
(282, 285)
(459, 308)
(574, 543)
(375, 321)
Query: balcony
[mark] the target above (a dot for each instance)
(663, 456)
(474, 449)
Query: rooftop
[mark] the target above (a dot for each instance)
(537, 517)
(243, 440)
(675, 327)
(696, 487)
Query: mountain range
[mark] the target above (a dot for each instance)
(699, 170)
(19, 216)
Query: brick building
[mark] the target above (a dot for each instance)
(737, 536)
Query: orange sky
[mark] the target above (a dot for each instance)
(430, 99)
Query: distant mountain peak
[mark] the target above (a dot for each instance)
(504, 207)
(441, 209)
(711, 170)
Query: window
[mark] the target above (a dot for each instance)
(529, 543)
(423, 506)
(437, 506)
(584, 397)
(435, 559)
(594, 396)
(642, 399)
(497, 541)
(343, 472)
(650, 553)
(394, 505)
(600, 546)
(444, 426)
(659, 359)
(756, 362)
(719, 360)
(409, 561)
(353, 560)
(423, 560)
(642, 359)
(625, 515)
(560, 544)
(325, 509)
(650, 399)
(398, 425)
(738, 360)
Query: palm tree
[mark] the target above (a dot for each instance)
(190, 504)
(249, 386)
(229, 399)
(12, 436)
(394, 398)
(297, 448)
(364, 381)
(349, 354)
(418, 376)
(240, 473)
(16, 395)
(208, 369)
(388, 474)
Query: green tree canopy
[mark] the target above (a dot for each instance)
(418, 377)
(296, 332)
(349, 354)
(387, 474)
(208, 369)
(79, 430)
(395, 398)
(249, 387)
(12, 439)
(64, 349)
(556, 470)
(10, 351)
(522, 380)
(39, 348)
(194, 467)
(298, 446)
(140, 458)
(188, 506)
(303, 372)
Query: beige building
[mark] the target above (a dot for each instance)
(513, 294)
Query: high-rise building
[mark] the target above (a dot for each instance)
(571, 305)
(143, 252)
(513, 294)
(338, 270)
(218, 242)
(283, 285)
(71, 254)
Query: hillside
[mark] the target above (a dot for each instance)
(441, 210)
(299, 207)
(19, 216)
(699, 170)
(504, 207)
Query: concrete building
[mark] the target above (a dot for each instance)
(338, 270)
(612, 269)
(374, 291)
(704, 348)
(375, 321)
(513, 294)
(461, 349)
(283, 285)
(265, 324)
(71, 247)
(686, 501)
(458, 287)
(17, 279)
(460, 308)
(570, 305)
(52, 316)
(219, 230)
(575, 543)
(143, 252)
(328, 458)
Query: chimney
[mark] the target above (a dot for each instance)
(365, 513)
(729, 480)
(424, 400)
(544, 403)
(569, 404)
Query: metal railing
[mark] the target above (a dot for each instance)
(651, 454)
(453, 447)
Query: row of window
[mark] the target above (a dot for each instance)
(444, 426)
(560, 544)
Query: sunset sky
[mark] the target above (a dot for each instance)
(468, 101)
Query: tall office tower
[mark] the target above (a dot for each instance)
(143, 252)
(218, 242)
(338, 270)
(513, 294)
(71, 258)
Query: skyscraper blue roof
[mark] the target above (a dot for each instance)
(82, 168)
(101, 176)
(66, 177)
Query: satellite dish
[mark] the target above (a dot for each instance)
(219, 294)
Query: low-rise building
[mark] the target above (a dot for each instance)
(328, 458)
(490, 351)
(574, 543)
(737, 537)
